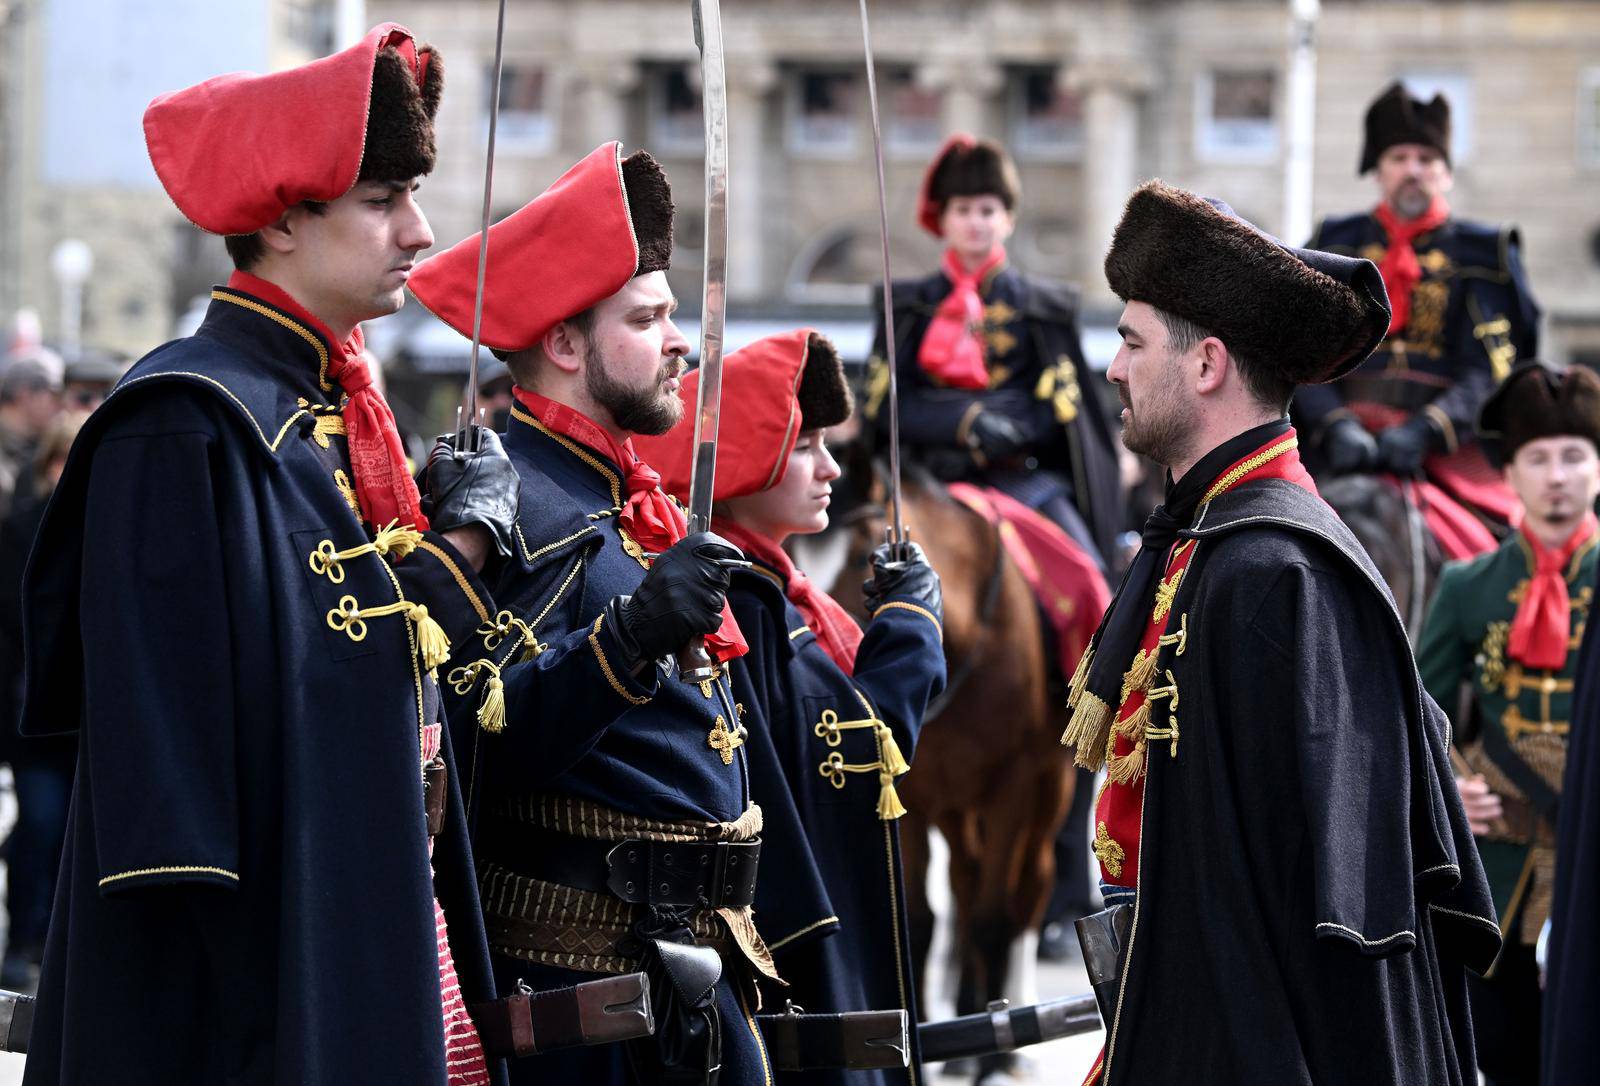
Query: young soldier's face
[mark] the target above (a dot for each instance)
(798, 505)
(1557, 478)
(634, 357)
(974, 225)
(1410, 175)
(352, 260)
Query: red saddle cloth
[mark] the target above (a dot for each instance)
(1066, 582)
(1460, 496)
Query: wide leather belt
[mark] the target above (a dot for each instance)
(703, 874)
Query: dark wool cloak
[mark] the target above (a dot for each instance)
(1572, 986)
(245, 894)
(1309, 894)
(831, 900)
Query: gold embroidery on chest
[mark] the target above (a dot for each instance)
(1108, 851)
(1428, 301)
(1435, 262)
(1373, 252)
(1166, 592)
(723, 740)
(1492, 654)
(346, 490)
(997, 317)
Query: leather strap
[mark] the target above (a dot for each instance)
(858, 1040)
(435, 786)
(600, 1011)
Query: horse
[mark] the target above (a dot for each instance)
(989, 771)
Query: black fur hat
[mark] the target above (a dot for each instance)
(650, 208)
(1537, 401)
(1310, 316)
(966, 166)
(399, 144)
(824, 394)
(1396, 117)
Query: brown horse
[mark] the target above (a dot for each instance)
(1396, 537)
(989, 771)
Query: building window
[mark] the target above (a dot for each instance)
(526, 122)
(1457, 90)
(836, 267)
(1046, 118)
(1234, 119)
(677, 126)
(911, 114)
(823, 113)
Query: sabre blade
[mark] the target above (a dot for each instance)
(897, 527)
(467, 433)
(713, 310)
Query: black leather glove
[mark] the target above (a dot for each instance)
(473, 488)
(680, 597)
(994, 436)
(1348, 447)
(903, 570)
(1401, 449)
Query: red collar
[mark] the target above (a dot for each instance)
(274, 295)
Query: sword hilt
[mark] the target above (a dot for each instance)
(695, 664)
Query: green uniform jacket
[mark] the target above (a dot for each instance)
(1517, 715)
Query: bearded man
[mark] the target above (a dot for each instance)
(1462, 316)
(1278, 814)
(615, 825)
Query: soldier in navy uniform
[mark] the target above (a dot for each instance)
(238, 600)
(993, 384)
(615, 823)
(833, 715)
(1462, 316)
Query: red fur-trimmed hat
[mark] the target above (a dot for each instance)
(966, 166)
(780, 386)
(603, 222)
(237, 151)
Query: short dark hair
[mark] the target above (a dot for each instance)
(1268, 389)
(521, 363)
(248, 249)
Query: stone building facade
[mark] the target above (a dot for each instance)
(1091, 95)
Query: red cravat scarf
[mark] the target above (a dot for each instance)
(384, 488)
(1543, 626)
(952, 351)
(649, 516)
(836, 631)
(1400, 270)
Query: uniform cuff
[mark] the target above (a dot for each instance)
(609, 656)
(436, 576)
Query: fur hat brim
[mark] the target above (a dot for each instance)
(1395, 117)
(650, 208)
(1538, 401)
(399, 140)
(824, 394)
(966, 166)
(1309, 316)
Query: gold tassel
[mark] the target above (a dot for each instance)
(492, 713)
(396, 541)
(893, 761)
(1126, 768)
(1133, 727)
(889, 805)
(1141, 674)
(431, 639)
(1080, 677)
(1088, 729)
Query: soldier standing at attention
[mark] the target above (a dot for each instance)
(238, 599)
(615, 829)
(1278, 813)
(833, 714)
(1510, 623)
(1462, 317)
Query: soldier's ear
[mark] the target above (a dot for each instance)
(563, 346)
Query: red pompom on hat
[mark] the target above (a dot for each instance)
(780, 386)
(965, 166)
(237, 151)
(577, 243)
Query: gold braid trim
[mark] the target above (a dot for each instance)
(193, 870)
(294, 326)
(605, 667)
(1239, 471)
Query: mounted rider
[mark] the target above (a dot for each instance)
(1463, 315)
